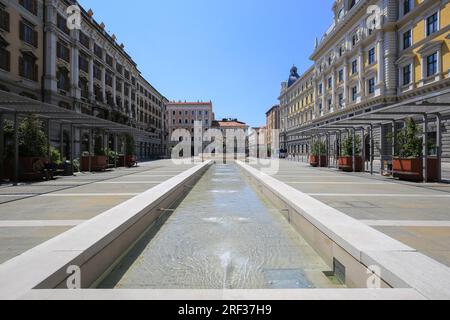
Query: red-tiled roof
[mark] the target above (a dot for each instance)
(231, 124)
(189, 103)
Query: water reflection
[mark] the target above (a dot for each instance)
(223, 235)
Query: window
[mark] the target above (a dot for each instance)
(4, 19)
(354, 67)
(371, 85)
(109, 60)
(63, 79)
(30, 5)
(108, 80)
(83, 83)
(341, 100)
(354, 39)
(84, 40)
(83, 63)
(98, 51)
(320, 88)
(28, 67)
(28, 34)
(432, 24)
(62, 24)
(432, 65)
(354, 93)
(5, 58)
(320, 107)
(330, 83)
(407, 39)
(97, 72)
(119, 68)
(330, 103)
(372, 56)
(341, 75)
(62, 51)
(406, 6)
(407, 75)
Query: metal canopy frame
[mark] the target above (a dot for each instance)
(433, 106)
(15, 106)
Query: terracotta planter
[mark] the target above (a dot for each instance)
(346, 164)
(121, 161)
(130, 161)
(30, 168)
(412, 169)
(314, 161)
(98, 163)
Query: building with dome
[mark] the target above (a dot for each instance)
(375, 54)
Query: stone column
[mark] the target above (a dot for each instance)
(361, 73)
(380, 63)
(91, 79)
(390, 56)
(104, 83)
(345, 103)
(74, 60)
(50, 81)
(333, 88)
(114, 84)
(324, 96)
(315, 113)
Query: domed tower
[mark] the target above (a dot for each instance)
(294, 76)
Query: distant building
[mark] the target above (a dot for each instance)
(232, 126)
(183, 115)
(272, 123)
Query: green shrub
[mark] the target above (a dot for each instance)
(31, 137)
(409, 142)
(98, 146)
(347, 146)
(112, 156)
(319, 147)
(55, 156)
(130, 145)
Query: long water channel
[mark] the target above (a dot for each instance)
(223, 235)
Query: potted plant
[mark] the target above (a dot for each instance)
(33, 149)
(99, 161)
(345, 161)
(318, 149)
(407, 163)
(130, 151)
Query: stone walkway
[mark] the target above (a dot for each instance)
(31, 214)
(415, 214)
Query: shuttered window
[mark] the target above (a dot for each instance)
(28, 67)
(62, 51)
(28, 34)
(4, 19)
(30, 5)
(5, 59)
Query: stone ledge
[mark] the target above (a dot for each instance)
(45, 265)
(230, 295)
(401, 266)
(353, 236)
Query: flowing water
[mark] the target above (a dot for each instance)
(224, 235)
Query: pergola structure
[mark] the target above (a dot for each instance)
(16, 106)
(433, 107)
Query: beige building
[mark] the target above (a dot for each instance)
(83, 69)
(22, 47)
(366, 61)
(272, 123)
(184, 115)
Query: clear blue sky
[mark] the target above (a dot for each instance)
(233, 52)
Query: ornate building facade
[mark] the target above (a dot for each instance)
(83, 69)
(375, 53)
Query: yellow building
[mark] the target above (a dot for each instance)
(375, 53)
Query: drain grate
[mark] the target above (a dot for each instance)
(286, 279)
